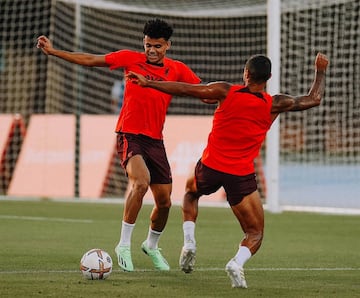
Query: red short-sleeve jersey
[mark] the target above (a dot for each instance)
(144, 109)
(239, 128)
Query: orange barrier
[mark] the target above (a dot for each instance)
(97, 143)
(45, 167)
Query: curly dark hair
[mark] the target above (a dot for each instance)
(157, 28)
(259, 67)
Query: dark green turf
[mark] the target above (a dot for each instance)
(303, 254)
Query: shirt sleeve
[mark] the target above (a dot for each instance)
(186, 74)
(120, 59)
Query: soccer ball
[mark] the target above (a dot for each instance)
(96, 264)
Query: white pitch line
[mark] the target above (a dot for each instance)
(285, 269)
(282, 269)
(38, 218)
(39, 271)
(178, 270)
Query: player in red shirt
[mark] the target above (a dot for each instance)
(139, 131)
(243, 117)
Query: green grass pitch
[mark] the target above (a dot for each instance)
(303, 254)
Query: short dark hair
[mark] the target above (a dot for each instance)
(157, 28)
(259, 67)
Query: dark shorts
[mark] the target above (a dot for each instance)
(209, 181)
(152, 151)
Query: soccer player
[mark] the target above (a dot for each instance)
(243, 117)
(139, 131)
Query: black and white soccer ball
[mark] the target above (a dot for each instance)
(96, 264)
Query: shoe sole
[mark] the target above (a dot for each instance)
(185, 261)
(161, 269)
(121, 261)
(236, 280)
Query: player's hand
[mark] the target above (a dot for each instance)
(44, 44)
(321, 62)
(137, 78)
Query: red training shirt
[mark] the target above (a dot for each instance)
(239, 128)
(144, 109)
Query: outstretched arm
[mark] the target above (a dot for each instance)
(284, 103)
(84, 59)
(211, 92)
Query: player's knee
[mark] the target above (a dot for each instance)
(163, 207)
(190, 203)
(163, 203)
(191, 195)
(190, 186)
(162, 199)
(140, 186)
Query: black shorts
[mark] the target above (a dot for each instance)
(236, 187)
(152, 151)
